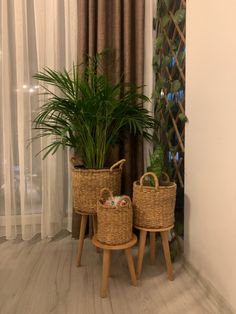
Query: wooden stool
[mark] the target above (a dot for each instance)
(165, 245)
(107, 258)
(84, 219)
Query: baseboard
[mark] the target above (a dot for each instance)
(211, 291)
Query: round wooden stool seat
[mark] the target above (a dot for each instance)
(107, 258)
(117, 247)
(165, 245)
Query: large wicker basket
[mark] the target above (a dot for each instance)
(154, 206)
(114, 223)
(87, 184)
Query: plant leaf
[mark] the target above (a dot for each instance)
(182, 117)
(86, 111)
(179, 15)
(166, 60)
(159, 41)
(169, 105)
(181, 57)
(156, 61)
(175, 86)
(160, 84)
(165, 20)
(167, 3)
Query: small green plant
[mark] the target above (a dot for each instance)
(87, 112)
(169, 92)
(156, 163)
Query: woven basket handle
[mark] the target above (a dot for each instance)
(118, 163)
(124, 198)
(166, 177)
(76, 161)
(73, 161)
(107, 191)
(147, 174)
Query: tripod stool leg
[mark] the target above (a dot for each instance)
(142, 241)
(81, 238)
(105, 272)
(130, 262)
(152, 247)
(166, 249)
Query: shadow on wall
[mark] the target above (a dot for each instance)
(222, 305)
(187, 211)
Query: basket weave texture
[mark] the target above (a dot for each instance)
(114, 223)
(154, 206)
(87, 184)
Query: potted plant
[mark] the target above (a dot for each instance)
(88, 113)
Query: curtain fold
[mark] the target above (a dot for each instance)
(34, 193)
(149, 77)
(117, 26)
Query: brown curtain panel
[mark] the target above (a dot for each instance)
(116, 26)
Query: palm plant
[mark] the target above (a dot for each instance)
(85, 111)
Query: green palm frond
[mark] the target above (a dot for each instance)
(88, 113)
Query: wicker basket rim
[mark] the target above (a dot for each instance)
(160, 187)
(117, 206)
(95, 170)
(114, 208)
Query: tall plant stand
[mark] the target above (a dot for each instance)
(165, 244)
(107, 258)
(83, 224)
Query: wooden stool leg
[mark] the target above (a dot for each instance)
(152, 247)
(95, 230)
(166, 249)
(130, 262)
(105, 272)
(94, 224)
(81, 238)
(142, 241)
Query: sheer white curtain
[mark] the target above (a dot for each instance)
(150, 9)
(34, 193)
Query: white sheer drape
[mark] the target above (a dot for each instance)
(150, 9)
(34, 193)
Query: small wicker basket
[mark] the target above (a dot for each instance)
(154, 206)
(114, 223)
(87, 184)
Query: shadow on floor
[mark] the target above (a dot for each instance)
(60, 235)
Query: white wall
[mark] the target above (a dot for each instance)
(210, 175)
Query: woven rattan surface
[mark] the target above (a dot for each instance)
(153, 206)
(114, 223)
(87, 184)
